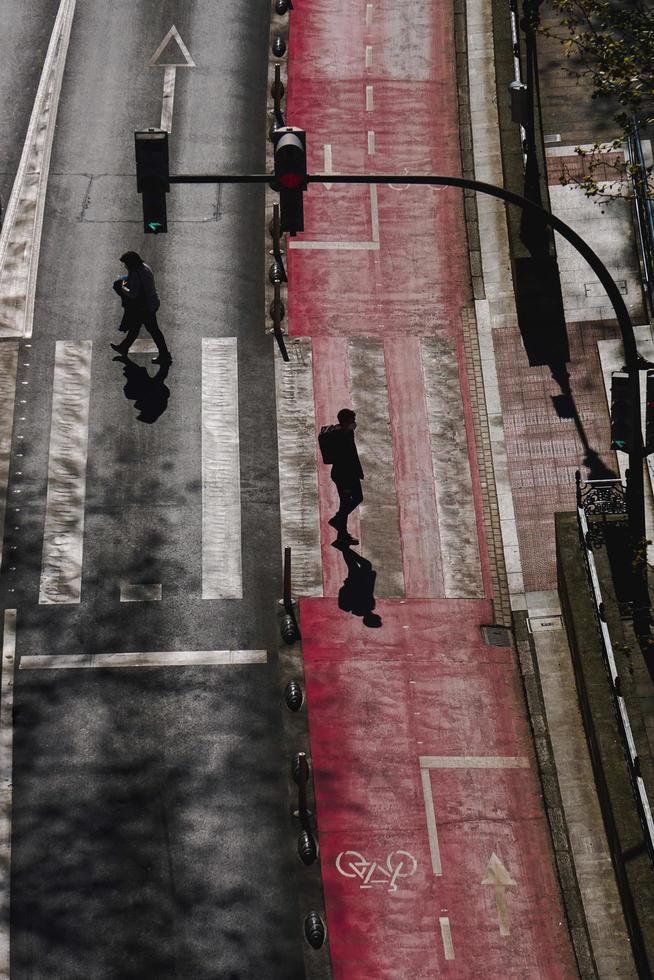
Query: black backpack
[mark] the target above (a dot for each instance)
(328, 440)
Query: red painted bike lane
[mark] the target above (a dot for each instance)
(435, 849)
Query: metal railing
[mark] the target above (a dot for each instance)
(607, 497)
(643, 212)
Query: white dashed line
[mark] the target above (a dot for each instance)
(369, 98)
(368, 55)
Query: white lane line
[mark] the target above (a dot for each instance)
(446, 936)
(298, 479)
(473, 762)
(6, 783)
(369, 98)
(20, 238)
(429, 762)
(371, 142)
(371, 246)
(63, 536)
(374, 214)
(347, 246)
(368, 15)
(168, 100)
(432, 833)
(135, 592)
(177, 658)
(450, 465)
(368, 55)
(8, 365)
(328, 163)
(222, 576)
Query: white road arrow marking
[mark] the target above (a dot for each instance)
(328, 163)
(170, 71)
(20, 240)
(497, 876)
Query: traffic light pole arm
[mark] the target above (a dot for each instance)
(598, 267)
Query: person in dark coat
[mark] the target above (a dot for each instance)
(347, 475)
(141, 302)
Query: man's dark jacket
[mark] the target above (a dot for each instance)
(346, 467)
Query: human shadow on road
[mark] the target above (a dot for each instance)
(148, 392)
(357, 593)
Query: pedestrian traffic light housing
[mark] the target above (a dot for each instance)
(152, 177)
(623, 412)
(290, 149)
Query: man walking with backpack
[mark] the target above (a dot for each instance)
(338, 448)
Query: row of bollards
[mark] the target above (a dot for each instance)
(307, 846)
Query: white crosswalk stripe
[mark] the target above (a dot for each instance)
(61, 568)
(298, 481)
(457, 524)
(222, 576)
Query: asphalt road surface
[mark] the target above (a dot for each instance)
(151, 834)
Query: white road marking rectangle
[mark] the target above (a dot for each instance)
(368, 15)
(446, 936)
(371, 142)
(298, 480)
(177, 658)
(61, 567)
(369, 98)
(448, 441)
(222, 575)
(140, 592)
(6, 784)
(368, 55)
(474, 762)
(168, 101)
(432, 833)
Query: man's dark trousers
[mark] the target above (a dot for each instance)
(149, 321)
(350, 495)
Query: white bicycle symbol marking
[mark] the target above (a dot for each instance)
(399, 864)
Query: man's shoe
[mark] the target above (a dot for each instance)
(162, 359)
(119, 350)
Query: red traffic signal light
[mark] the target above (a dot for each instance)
(290, 176)
(290, 158)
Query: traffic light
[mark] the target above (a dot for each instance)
(290, 145)
(623, 411)
(152, 177)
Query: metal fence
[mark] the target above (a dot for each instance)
(605, 500)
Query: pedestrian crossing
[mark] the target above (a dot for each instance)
(417, 524)
(63, 536)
